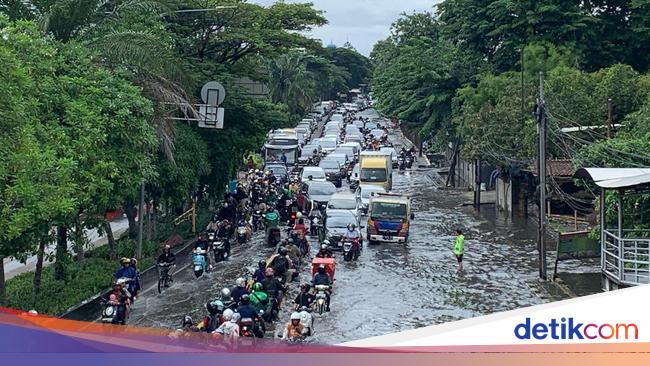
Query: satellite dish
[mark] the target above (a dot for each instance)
(213, 93)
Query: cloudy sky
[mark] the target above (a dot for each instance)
(362, 22)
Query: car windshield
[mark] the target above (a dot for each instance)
(388, 210)
(315, 173)
(340, 221)
(342, 203)
(321, 189)
(365, 193)
(373, 174)
(278, 170)
(327, 143)
(329, 164)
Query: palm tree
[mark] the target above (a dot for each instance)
(291, 82)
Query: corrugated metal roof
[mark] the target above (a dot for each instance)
(616, 177)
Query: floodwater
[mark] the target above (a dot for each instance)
(393, 287)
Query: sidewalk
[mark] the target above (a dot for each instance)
(14, 267)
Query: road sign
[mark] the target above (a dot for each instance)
(213, 93)
(211, 117)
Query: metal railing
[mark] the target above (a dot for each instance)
(624, 259)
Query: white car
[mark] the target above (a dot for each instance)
(328, 145)
(363, 194)
(317, 174)
(378, 133)
(344, 201)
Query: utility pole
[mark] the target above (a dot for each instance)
(610, 110)
(541, 127)
(140, 221)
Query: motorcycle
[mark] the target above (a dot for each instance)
(316, 226)
(250, 328)
(321, 298)
(114, 314)
(242, 234)
(401, 163)
(409, 161)
(219, 250)
(197, 265)
(350, 249)
(258, 222)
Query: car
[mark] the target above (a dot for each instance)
(333, 136)
(344, 201)
(278, 169)
(326, 144)
(317, 174)
(336, 225)
(348, 151)
(353, 138)
(342, 158)
(333, 171)
(355, 146)
(337, 117)
(393, 154)
(359, 123)
(363, 194)
(378, 133)
(371, 125)
(320, 192)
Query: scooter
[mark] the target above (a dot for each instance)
(198, 262)
(242, 234)
(409, 161)
(258, 222)
(347, 251)
(219, 250)
(321, 298)
(401, 163)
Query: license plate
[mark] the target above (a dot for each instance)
(388, 237)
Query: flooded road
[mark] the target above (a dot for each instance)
(393, 287)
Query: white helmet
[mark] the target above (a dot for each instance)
(236, 317)
(227, 314)
(295, 316)
(240, 282)
(225, 292)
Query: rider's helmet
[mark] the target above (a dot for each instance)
(134, 262)
(298, 215)
(305, 287)
(268, 272)
(218, 305)
(224, 205)
(245, 299)
(295, 316)
(258, 287)
(321, 269)
(240, 282)
(261, 264)
(187, 321)
(225, 293)
(282, 251)
(227, 314)
(167, 248)
(236, 317)
(125, 261)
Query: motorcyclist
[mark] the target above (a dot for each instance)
(325, 251)
(230, 326)
(226, 298)
(272, 286)
(272, 218)
(354, 236)
(136, 283)
(322, 278)
(280, 263)
(225, 232)
(213, 225)
(120, 298)
(247, 310)
(294, 330)
(294, 253)
(305, 298)
(214, 319)
(259, 276)
(167, 257)
(239, 290)
(127, 271)
(258, 298)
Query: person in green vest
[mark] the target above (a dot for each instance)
(459, 248)
(259, 299)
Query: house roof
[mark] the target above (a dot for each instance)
(616, 177)
(556, 168)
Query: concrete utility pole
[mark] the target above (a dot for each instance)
(610, 110)
(541, 126)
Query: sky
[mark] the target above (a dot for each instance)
(362, 22)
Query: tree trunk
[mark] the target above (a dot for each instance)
(38, 272)
(2, 282)
(131, 212)
(79, 240)
(112, 244)
(153, 219)
(61, 252)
